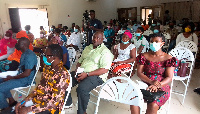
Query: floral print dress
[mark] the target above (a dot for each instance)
(156, 71)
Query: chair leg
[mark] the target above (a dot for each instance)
(185, 92)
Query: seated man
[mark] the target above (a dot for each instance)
(96, 60)
(48, 96)
(75, 38)
(28, 62)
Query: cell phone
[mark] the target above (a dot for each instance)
(77, 75)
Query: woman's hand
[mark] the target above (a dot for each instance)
(18, 106)
(156, 83)
(24, 110)
(152, 88)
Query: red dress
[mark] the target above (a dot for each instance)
(156, 71)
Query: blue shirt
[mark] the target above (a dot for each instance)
(66, 51)
(63, 37)
(109, 33)
(135, 27)
(28, 60)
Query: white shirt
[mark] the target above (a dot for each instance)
(193, 37)
(142, 41)
(124, 54)
(75, 39)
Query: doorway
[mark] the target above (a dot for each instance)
(146, 11)
(127, 14)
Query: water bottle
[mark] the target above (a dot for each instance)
(20, 97)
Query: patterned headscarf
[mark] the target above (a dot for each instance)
(127, 32)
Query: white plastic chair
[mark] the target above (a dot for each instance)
(189, 45)
(126, 92)
(183, 53)
(68, 90)
(20, 89)
(147, 32)
(72, 55)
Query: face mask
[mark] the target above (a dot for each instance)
(46, 62)
(125, 42)
(26, 32)
(155, 46)
(155, 31)
(6, 37)
(17, 46)
(135, 24)
(158, 24)
(195, 28)
(180, 24)
(51, 29)
(75, 30)
(41, 35)
(187, 29)
(137, 34)
(123, 31)
(153, 25)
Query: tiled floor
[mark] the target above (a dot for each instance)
(191, 105)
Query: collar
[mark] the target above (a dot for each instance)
(140, 38)
(91, 46)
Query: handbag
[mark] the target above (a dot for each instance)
(151, 96)
(182, 69)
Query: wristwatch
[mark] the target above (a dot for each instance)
(87, 74)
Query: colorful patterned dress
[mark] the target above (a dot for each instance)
(156, 71)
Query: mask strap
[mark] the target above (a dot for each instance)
(52, 61)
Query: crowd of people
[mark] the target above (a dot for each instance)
(103, 58)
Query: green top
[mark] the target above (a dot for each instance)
(93, 59)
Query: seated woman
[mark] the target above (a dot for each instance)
(65, 58)
(155, 68)
(7, 45)
(49, 96)
(123, 56)
(188, 34)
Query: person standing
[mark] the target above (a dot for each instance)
(94, 25)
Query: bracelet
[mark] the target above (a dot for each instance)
(87, 74)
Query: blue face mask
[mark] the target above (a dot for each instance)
(75, 30)
(125, 42)
(137, 34)
(51, 29)
(158, 24)
(153, 25)
(26, 32)
(155, 31)
(46, 62)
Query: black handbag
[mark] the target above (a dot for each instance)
(151, 96)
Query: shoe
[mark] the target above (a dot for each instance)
(70, 106)
(197, 90)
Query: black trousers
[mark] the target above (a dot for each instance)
(83, 90)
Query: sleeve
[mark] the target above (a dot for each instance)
(173, 62)
(178, 39)
(113, 32)
(58, 94)
(132, 46)
(143, 42)
(106, 60)
(141, 60)
(100, 26)
(195, 39)
(30, 61)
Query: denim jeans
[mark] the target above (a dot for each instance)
(5, 88)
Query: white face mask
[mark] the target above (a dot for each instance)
(41, 35)
(155, 46)
(6, 37)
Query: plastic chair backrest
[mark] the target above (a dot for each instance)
(37, 68)
(189, 45)
(68, 90)
(72, 54)
(182, 53)
(126, 92)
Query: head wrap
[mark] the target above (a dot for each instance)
(127, 32)
(21, 34)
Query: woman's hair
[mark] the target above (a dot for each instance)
(158, 35)
(27, 27)
(56, 50)
(65, 27)
(141, 28)
(57, 30)
(191, 24)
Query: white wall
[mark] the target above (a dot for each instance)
(58, 10)
(140, 3)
